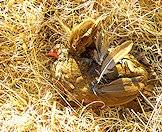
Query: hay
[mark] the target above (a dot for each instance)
(29, 90)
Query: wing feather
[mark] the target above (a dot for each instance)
(113, 58)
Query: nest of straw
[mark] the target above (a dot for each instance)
(29, 89)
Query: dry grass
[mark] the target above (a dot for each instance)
(29, 91)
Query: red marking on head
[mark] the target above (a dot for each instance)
(53, 53)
